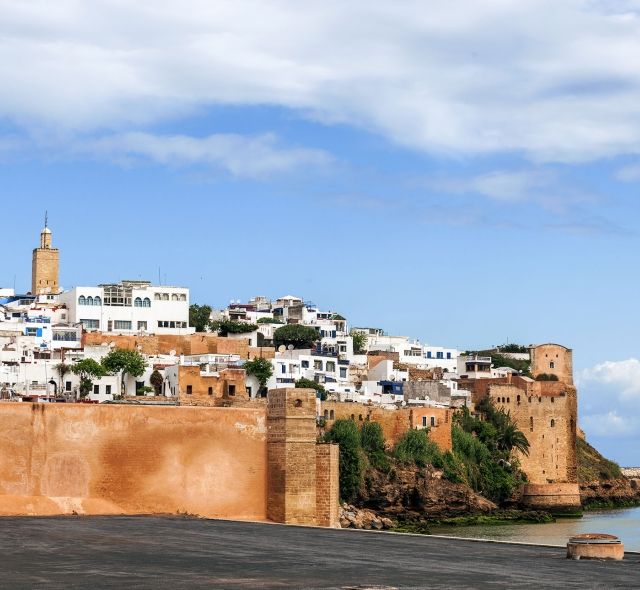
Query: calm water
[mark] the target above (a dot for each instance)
(625, 524)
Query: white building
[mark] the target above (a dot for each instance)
(130, 307)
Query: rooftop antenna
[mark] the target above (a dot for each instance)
(159, 279)
(46, 219)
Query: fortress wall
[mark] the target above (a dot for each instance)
(116, 459)
(394, 423)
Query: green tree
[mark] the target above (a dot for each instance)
(359, 342)
(297, 335)
(199, 316)
(372, 441)
(88, 370)
(156, 381)
(310, 384)
(226, 327)
(125, 362)
(347, 435)
(261, 369)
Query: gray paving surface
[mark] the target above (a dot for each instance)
(152, 552)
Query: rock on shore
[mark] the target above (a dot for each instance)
(358, 518)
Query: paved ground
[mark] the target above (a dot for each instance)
(150, 552)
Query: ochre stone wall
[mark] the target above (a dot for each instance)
(545, 411)
(116, 459)
(552, 359)
(197, 389)
(199, 343)
(292, 456)
(327, 485)
(45, 271)
(394, 422)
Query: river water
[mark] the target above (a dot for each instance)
(624, 523)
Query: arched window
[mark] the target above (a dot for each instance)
(157, 296)
(360, 417)
(183, 297)
(89, 300)
(326, 414)
(146, 302)
(332, 415)
(507, 400)
(82, 300)
(137, 302)
(353, 416)
(174, 297)
(518, 399)
(165, 297)
(97, 300)
(553, 422)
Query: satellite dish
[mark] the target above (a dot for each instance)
(290, 347)
(282, 348)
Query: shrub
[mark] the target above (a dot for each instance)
(226, 327)
(309, 384)
(546, 377)
(347, 435)
(372, 440)
(415, 447)
(297, 335)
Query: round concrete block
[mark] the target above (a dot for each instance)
(595, 546)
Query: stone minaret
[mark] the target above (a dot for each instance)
(45, 264)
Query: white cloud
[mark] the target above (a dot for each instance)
(248, 156)
(630, 173)
(608, 396)
(557, 81)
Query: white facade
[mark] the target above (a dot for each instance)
(130, 307)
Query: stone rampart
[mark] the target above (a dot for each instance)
(209, 461)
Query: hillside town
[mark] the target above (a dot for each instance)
(134, 342)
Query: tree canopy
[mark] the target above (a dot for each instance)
(304, 383)
(226, 327)
(199, 317)
(359, 342)
(297, 335)
(126, 362)
(88, 370)
(261, 369)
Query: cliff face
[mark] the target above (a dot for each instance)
(417, 493)
(602, 483)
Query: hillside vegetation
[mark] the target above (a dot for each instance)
(592, 466)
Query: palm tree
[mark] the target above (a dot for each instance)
(510, 437)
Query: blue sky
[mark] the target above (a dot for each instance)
(463, 175)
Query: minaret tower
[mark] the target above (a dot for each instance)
(46, 264)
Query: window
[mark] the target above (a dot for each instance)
(89, 300)
(552, 365)
(343, 372)
(424, 421)
(67, 386)
(174, 297)
(97, 300)
(189, 389)
(96, 389)
(317, 365)
(429, 354)
(433, 420)
(449, 355)
(326, 414)
(331, 415)
(157, 296)
(249, 390)
(531, 423)
(122, 324)
(331, 367)
(210, 391)
(231, 389)
(305, 364)
(283, 368)
(137, 302)
(146, 302)
(553, 423)
(142, 326)
(107, 389)
(439, 355)
(90, 324)
(165, 297)
(82, 300)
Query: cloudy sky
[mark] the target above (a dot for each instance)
(461, 172)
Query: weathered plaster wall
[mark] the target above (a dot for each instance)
(201, 389)
(111, 459)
